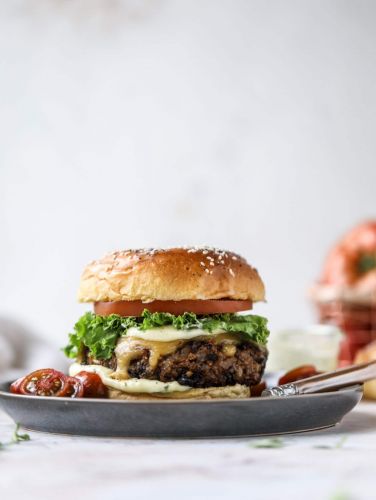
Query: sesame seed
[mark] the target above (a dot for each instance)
(231, 272)
(202, 264)
(207, 270)
(211, 263)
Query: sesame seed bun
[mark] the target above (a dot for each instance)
(192, 273)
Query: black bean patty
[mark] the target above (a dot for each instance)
(201, 363)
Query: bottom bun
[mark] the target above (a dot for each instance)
(366, 355)
(228, 392)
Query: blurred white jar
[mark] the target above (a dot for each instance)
(314, 345)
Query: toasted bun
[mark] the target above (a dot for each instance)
(197, 273)
(228, 392)
(366, 355)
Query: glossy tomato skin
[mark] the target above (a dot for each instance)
(298, 373)
(176, 307)
(43, 382)
(73, 388)
(15, 386)
(48, 382)
(256, 390)
(93, 386)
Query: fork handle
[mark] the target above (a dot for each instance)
(329, 381)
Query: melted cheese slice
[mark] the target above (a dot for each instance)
(132, 385)
(131, 348)
(169, 333)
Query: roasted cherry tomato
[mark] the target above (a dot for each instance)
(44, 382)
(93, 386)
(73, 388)
(15, 386)
(298, 373)
(256, 390)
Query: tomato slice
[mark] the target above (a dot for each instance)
(44, 382)
(93, 387)
(298, 373)
(135, 307)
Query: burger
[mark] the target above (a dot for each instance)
(171, 323)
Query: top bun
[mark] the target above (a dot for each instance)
(189, 273)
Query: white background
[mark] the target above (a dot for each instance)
(248, 125)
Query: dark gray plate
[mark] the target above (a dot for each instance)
(179, 419)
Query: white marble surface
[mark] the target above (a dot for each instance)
(62, 467)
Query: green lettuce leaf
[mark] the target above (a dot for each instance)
(100, 333)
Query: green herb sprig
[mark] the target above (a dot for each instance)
(273, 442)
(16, 438)
(337, 446)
